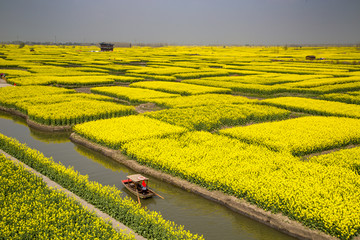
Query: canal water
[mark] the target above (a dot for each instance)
(197, 214)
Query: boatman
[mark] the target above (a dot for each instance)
(143, 186)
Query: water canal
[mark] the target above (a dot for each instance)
(197, 214)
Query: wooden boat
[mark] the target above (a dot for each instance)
(136, 184)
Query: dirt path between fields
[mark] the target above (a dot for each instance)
(116, 224)
(3, 83)
(277, 221)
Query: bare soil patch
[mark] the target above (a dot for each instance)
(147, 107)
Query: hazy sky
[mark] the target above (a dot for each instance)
(182, 21)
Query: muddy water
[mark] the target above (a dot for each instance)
(197, 214)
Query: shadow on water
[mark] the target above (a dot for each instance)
(197, 214)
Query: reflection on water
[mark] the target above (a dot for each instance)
(198, 215)
(16, 119)
(99, 158)
(56, 137)
(50, 137)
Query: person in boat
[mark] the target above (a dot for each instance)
(142, 187)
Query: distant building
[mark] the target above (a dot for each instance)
(106, 47)
(310, 57)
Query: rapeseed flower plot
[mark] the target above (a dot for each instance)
(215, 116)
(57, 106)
(316, 82)
(161, 70)
(116, 131)
(127, 79)
(296, 70)
(240, 87)
(22, 104)
(200, 100)
(83, 81)
(341, 87)
(70, 113)
(347, 158)
(349, 97)
(320, 197)
(132, 94)
(315, 106)
(302, 135)
(201, 74)
(180, 88)
(30, 91)
(151, 76)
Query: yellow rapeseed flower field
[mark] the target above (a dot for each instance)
(116, 131)
(31, 210)
(316, 195)
(302, 135)
(220, 87)
(315, 106)
(215, 116)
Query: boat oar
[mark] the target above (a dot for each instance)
(137, 193)
(157, 194)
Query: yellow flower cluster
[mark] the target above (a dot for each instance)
(57, 71)
(267, 78)
(300, 135)
(241, 87)
(180, 88)
(296, 70)
(127, 79)
(315, 106)
(31, 210)
(29, 91)
(116, 131)
(162, 70)
(347, 158)
(349, 97)
(201, 74)
(318, 196)
(56, 106)
(151, 76)
(341, 87)
(23, 103)
(70, 113)
(134, 95)
(201, 100)
(316, 82)
(61, 80)
(215, 116)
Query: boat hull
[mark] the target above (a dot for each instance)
(128, 184)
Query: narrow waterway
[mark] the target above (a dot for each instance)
(197, 214)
